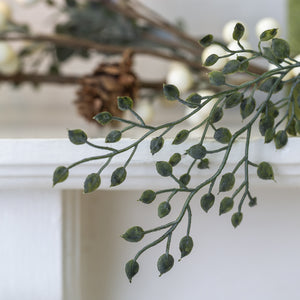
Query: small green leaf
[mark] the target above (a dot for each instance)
(247, 107)
(233, 99)
(280, 48)
(226, 205)
(216, 115)
(103, 118)
(180, 137)
(60, 174)
(297, 126)
(207, 40)
(236, 219)
(265, 171)
(165, 263)
(163, 168)
(266, 122)
(280, 139)
(77, 136)
(197, 151)
(231, 66)
(227, 182)
(164, 209)
(269, 135)
(134, 234)
(253, 202)
(131, 269)
(222, 135)
(238, 31)
(156, 144)
(291, 129)
(216, 78)
(186, 245)
(113, 136)
(268, 34)
(91, 183)
(203, 164)
(244, 63)
(185, 179)
(175, 159)
(194, 100)
(211, 60)
(268, 53)
(118, 176)
(207, 201)
(171, 92)
(125, 103)
(148, 197)
(268, 83)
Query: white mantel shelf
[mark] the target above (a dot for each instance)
(29, 163)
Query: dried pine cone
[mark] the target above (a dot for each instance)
(99, 91)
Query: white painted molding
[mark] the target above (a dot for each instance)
(29, 163)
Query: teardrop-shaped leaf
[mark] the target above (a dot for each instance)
(280, 48)
(207, 201)
(236, 219)
(125, 103)
(171, 92)
(265, 171)
(222, 135)
(227, 182)
(197, 151)
(164, 209)
(91, 183)
(156, 144)
(180, 137)
(280, 139)
(216, 78)
(211, 60)
(268, 34)
(233, 99)
(60, 174)
(238, 31)
(118, 176)
(247, 107)
(163, 168)
(77, 136)
(147, 196)
(113, 137)
(207, 40)
(226, 205)
(231, 66)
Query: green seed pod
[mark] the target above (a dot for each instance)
(247, 107)
(186, 245)
(60, 174)
(131, 269)
(280, 48)
(236, 219)
(231, 66)
(197, 151)
(156, 144)
(185, 179)
(91, 183)
(268, 34)
(216, 78)
(222, 135)
(216, 115)
(265, 171)
(118, 176)
(125, 103)
(163, 168)
(113, 136)
(211, 60)
(194, 100)
(269, 135)
(207, 201)
(238, 31)
(77, 136)
(207, 40)
(233, 99)
(226, 205)
(280, 139)
(165, 263)
(268, 83)
(164, 209)
(266, 122)
(180, 137)
(297, 126)
(203, 164)
(227, 182)
(133, 234)
(171, 92)
(175, 159)
(244, 63)
(103, 117)
(148, 196)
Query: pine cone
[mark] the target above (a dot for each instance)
(100, 90)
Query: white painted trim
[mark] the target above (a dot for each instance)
(29, 163)
(71, 252)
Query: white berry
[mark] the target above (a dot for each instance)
(10, 67)
(6, 53)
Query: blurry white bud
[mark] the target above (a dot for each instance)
(10, 67)
(5, 14)
(265, 24)
(296, 71)
(27, 2)
(228, 30)
(180, 76)
(288, 76)
(235, 47)
(204, 111)
(218, 50)
(6, 53)
(145, 109)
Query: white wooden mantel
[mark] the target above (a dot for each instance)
(39, 223)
